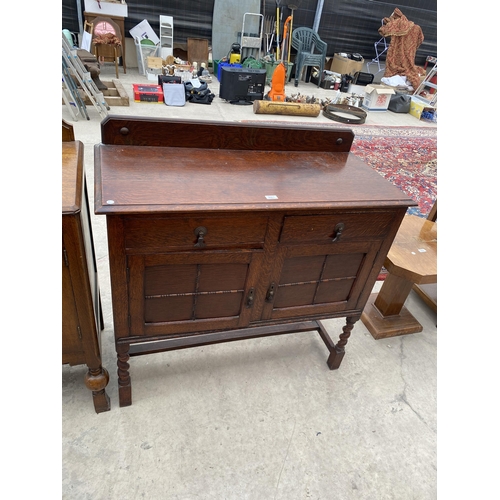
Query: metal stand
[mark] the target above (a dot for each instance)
(383, 45)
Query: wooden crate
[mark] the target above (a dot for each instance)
(114, 96)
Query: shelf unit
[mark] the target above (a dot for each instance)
(166, 36)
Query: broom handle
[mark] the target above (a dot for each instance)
(285, 31)
(290, 38)
(277, 31)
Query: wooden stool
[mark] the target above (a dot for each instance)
(411, 260)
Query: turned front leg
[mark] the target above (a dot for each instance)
(338, 351)
(96, 379)
(124, 382)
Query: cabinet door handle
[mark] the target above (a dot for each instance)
(337, 232)
(270, 293)
(200, 233)
(250, 297)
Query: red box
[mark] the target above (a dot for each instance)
(147, 93)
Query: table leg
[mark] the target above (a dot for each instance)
(96, 379)
(338, 351)
(124, 382)
(385, 314)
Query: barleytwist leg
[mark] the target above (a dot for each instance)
(337, 354)
(124, 383)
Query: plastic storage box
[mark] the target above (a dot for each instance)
(147, 93)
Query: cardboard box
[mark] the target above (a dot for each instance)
(154, 68)
(344, 65)
(147, 93)
(377, 97)
(104, 8)
(154, 62)
(153, 74)
(144, 31)
(418, 106)
(356, 89)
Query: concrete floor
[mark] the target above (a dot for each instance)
(257, 419)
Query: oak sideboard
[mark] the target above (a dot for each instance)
(226, 231)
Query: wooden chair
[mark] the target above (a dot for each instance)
(88, 27)
(411, 264)
(110, 52)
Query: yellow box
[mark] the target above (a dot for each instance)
(418, 106)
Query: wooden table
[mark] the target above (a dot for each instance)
(82, 319)
(220, 231)
(411, 260)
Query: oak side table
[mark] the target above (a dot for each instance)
(411, 260)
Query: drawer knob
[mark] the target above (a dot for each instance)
(200, 233)
(337, 232)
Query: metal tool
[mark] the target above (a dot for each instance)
(269, 31)
(292, 7)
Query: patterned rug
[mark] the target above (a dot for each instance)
(405, 156)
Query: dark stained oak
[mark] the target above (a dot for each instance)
(82, 319)
(220, 232)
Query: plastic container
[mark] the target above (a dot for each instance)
(144, 50)
(221, 64)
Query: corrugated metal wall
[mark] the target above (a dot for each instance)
(346, 25)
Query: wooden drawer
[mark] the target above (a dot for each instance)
(323, 228)
(154, 234)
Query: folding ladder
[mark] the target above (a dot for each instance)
(427, 83)
(74, 68)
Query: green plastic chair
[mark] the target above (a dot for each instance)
(311, 51)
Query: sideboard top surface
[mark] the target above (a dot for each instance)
(171, 165)
(137, 179)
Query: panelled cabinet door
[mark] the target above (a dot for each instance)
(319, 279)
(179, 293)
(72, 348)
